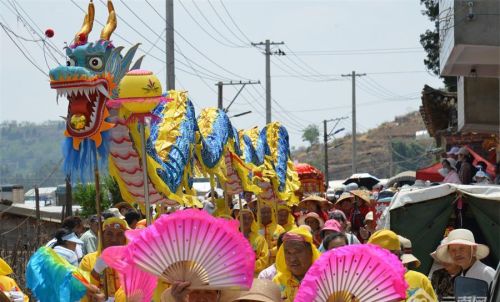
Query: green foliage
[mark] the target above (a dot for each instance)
(85, 194)
(112, 188)
(311, 134)
(430, 42)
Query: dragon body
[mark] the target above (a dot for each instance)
(108, 98)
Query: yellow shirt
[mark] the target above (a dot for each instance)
(7, 284)
(271, 232)
(419, 287)
(259, 246)
(289, 290)
(112, 278)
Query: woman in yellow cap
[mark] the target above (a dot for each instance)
(259, 244)
(294, 258)
(8, 286)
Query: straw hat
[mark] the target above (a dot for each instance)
(313, 198)
(262, 291)
(225, 295)
(463, 237)
(302, 219)
(345, 196)
(362, 194)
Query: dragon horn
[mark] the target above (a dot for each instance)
(82, 36)
(110, 24)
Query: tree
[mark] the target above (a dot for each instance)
(111, 186)
(84, 195)
(430, 43)
(311, 134)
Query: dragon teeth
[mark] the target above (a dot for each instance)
(103, 90)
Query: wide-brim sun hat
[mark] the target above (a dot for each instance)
(345, 196)
(262, 291)
(409, 258)
(313, 198)
(462, 237)
(302, 219)
(362, 194)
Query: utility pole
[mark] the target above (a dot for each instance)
(354, 146)
(170, 45)
(268, 54)
(220, 86)
(326, 135)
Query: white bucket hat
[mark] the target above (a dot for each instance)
(464, 237)
(407, 256)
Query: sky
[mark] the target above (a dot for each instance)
(323, 40)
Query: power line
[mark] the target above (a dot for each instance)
(27, 56)
(194, 47)
(234, 23)
(204, 29)
(356, 51)
(19, 16)
(214, 28)
(226, 26)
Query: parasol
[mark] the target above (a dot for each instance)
(363, 180)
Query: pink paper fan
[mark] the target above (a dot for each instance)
(135, 282)
(360, 272)
(191, 245)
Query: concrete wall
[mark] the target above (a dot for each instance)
(478, 105)
(469, 38)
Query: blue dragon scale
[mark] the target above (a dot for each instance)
(102, 124)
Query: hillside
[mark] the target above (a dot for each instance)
(383, 151)
(30, 153)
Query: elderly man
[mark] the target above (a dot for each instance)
(461, 248)
(419, 286)
(294, 258)
(270, 229)
(113, 235)
(89, 238)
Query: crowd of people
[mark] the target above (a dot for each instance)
(286, 241)
(458, 168)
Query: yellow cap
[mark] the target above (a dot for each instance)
(4, 268)
(140, 91)
(386, 239)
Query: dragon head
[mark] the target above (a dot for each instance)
(90, 78)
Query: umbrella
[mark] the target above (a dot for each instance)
(407, 177)
(363, 180)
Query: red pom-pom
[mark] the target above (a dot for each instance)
(49, 33)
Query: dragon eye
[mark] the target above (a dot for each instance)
(95, 63)
(70, 62)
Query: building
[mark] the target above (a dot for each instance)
(12, 194)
